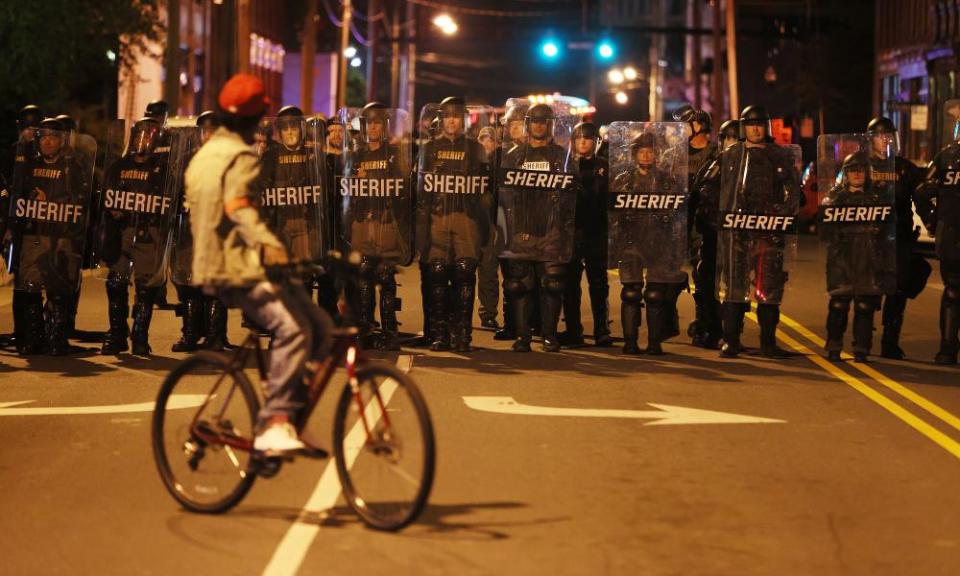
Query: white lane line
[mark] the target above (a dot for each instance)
(177, 401)
(291, 551)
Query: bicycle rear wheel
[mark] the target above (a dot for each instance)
(385, 458)
(203, 420)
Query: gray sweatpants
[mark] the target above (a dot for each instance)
(300, 331)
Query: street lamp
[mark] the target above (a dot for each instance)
(630, 73)
(615, 76)
(350, 52)
(446, 24)
(621, 97)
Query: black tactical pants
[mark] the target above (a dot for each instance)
(949, 312)
(864, 309)
(523, 278)
(589, 255)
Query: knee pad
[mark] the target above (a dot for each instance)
(465, 269)
(386, 275)
(553, 284)
(438, 270)
(840, 304)
(655, 294)
(866, 305)
(514, 287)
(631, 293)
(368, 268)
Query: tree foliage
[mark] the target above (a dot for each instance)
(55, 52)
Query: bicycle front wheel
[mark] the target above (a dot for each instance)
(384, 447)
(203, 430)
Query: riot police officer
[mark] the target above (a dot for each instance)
(760, 197)
(538, 225)
(49, 218)
(590, 249)
(648, 233)
(454, 198)
(939, 205)
(134, 231)
(912, 269)
(376, 214)
(860, 249)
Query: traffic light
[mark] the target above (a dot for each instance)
(606, 49)
(550, 49)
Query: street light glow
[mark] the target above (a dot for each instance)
(621, 97)
(630, 73)
(615, 76)
(356, 62)
(350, 51)
(446, 24)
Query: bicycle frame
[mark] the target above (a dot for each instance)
(345, 352)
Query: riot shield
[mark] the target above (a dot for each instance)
(537, 188)
(294, 196)
(512, 126)
(51, 201)
(138, 206)
(647, 212)
(947, 164)
(856, 220)
(181, 253)
(454, 185)
(376, 215)
(759, 204)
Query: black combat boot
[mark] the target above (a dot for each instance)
(863, 328)
(732, 328)
(58, 324)
(30, 332)
(216, 325)
(893, 309)
(142, 315)
(768, 316)
(388, 311)
(191, 310)
(118, 309)
(464, 293)
(949, 326)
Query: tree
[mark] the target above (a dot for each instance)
(64, 54)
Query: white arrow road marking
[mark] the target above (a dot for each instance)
(664, 415)
(176, 401)
(291, 551)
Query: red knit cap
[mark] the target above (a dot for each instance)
(244, 95)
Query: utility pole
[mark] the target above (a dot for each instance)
(243, 36)
(717, 64)
(171, 84)
(395, 56)
(341, 59)
(372, 9)
(697, 56)
(411, 56)
(308, 48)
(732, 58)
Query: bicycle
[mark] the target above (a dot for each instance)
(206, 457)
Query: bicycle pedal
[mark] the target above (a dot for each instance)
(313, 452)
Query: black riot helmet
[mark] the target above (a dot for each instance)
(856, 162)
(144, 136)
(642, 141)
(208, 119)
(683, 113)
(539, 114)
(755, 116)
(290, 111)
(29, 116)
(453, 106)
(374, 112)
(158, 110)
(50, 134)
(881, 125)
(513, 113)
(885, 141)
(688, 114)
(290, 117)
(587, 130)
(730, 129)
(69, 124)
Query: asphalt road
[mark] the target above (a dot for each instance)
(834, 469)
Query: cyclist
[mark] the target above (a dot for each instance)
(231, 247)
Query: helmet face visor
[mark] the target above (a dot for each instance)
(144, 139)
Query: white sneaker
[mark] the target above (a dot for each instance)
(281, 437)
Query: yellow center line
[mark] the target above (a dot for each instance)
(944, 441)
(883, 379)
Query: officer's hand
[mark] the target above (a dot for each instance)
(275, 256)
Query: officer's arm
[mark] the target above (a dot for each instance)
(925, 197)
(240, 202)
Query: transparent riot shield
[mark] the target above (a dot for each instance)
(511, 123)
(537, 188)
(50, 206)
(376, 214)
(757, 238)
(647, 211)
(856, 220)
(138, 206)
(947, 163)
(293, 198)
(181, 253)
(454, 185)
